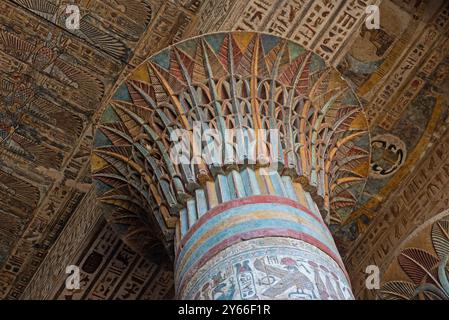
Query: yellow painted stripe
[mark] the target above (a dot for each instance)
(269, 184)
(211, 194)
(300, 193)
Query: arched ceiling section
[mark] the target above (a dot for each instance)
(419, 268)
(400, 73)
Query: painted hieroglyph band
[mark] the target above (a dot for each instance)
(267, 263)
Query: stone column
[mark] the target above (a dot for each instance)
(235, 151)
(268, 241)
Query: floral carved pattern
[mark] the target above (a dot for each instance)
(428, 272)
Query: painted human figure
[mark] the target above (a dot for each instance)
(224, 291)
(290, 277)
(329, 286)
(324, 295)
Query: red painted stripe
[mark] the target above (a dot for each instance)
(257, 199)
(262, 233)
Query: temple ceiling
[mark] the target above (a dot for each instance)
(417, 271)
(56, 83)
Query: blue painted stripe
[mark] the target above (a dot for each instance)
(191, 212)
(238, 228)
(278, 186)
(289, 189)
(238, 183)
(183, 221)
(222, 188)
(261, 223)
(311, 205)
(250, 181)
(232, 192)
(201, 202)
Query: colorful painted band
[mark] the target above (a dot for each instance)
(254, 211)
(248, 218)
(256, 199)
(268, 268)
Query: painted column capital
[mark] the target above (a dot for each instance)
(221, 117)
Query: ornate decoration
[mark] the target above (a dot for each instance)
(388, 153)
(428, 272)
(226, 80)
(270, 268)
(49, 58)
(402, 96)
(101, 34)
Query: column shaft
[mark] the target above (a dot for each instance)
(260, 246)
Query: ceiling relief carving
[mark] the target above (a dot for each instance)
(388, 155)
(19, 199)
(111, 26)
(421, 270)
(397, 72)
(53, 77)
(112, 270)
(422, 196)
(53, 83)
(104, 261)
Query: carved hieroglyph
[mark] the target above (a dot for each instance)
(399, 72)
(53, 81)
